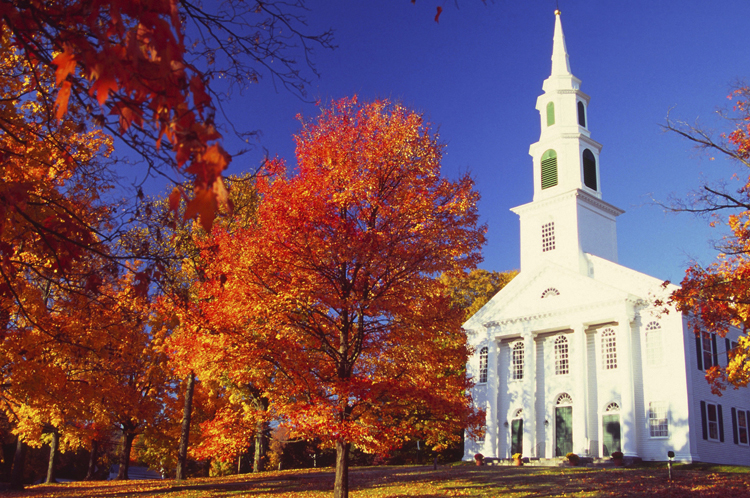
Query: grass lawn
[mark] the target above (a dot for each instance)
(649, 480)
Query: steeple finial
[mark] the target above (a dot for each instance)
(560, 62)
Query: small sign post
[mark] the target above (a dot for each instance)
(670, 456)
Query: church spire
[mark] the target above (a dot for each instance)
(567, 217)
(560, 61)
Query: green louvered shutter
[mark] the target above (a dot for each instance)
(549, 169)
(550, 114)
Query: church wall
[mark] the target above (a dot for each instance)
(661, 379)
(707, 450)
(597, 233)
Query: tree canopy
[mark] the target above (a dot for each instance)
(331, 302)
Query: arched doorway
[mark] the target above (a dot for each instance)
(611, 430)
(563, 425)
(516, 433)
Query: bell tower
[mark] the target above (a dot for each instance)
(567, 217)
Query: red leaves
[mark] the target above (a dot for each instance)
(66, 64)
(132, 53)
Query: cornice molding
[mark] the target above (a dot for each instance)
(632, 301)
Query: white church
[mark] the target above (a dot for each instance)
(572, 355)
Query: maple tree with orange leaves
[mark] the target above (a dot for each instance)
(330, 302)
(717, 297)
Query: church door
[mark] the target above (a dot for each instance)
(516, 436)
(563, 430)
(611, 431)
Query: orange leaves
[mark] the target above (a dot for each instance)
(331, 293)
(66, 64)
(132, 56)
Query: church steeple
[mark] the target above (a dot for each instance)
(567, 217)
(561, 160)
(560, 61)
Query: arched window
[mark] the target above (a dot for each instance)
(561, 355)
(564, 400)
(550, 114)
(581, 114)
(609, 349)
(612, 407)
(483, 365)
(653, 344)
(548, 237)
(551, 292)
(589, 169)
(517, 361)
(518, 413)
(549, 169)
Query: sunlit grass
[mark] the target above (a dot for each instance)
(647, 480)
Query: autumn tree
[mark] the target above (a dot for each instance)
(175, 251)
(334, 289)
(717, 296)
(470, 291)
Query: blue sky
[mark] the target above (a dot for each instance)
(476, 76)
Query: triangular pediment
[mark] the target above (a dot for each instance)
(550, 289)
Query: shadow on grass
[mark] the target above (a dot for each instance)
(395, 482)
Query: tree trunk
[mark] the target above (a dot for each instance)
(341, 483)
(185, 432)
(127, 440)
(92, 461)
(16, 473)
(261, 444)
(53, 448)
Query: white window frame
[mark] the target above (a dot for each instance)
(483, 360)
(562, 356)
(712, 424)
(658, 419)
(517, 360)
(609, 349)
(740, 428)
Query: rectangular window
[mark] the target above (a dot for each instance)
(548, 236)
(658, 419)
(483, 365)
(561, 356)
(742, 427)
(609, 349)
(708, 352)
(517, 366)
(713, 422)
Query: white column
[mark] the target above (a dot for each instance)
(628, 434)
(578, 369)
(529, 402)
(493, 388)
